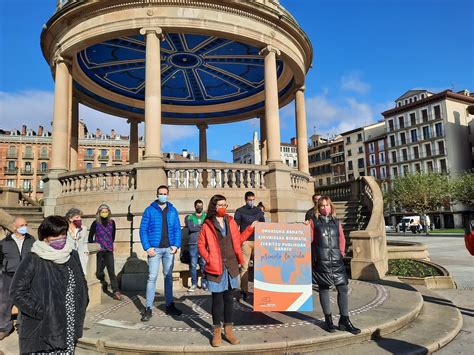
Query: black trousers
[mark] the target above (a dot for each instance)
(105, 259)
(222, 304)
(342, 299)
(6, 303)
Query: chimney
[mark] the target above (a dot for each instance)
(293, 141)
(112, 134)
(98, 133)
(23, 130)
(40, 131)
(185, 153)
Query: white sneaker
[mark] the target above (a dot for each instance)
(192, 288)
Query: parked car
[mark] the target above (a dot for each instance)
(390, 229)
(409, 223)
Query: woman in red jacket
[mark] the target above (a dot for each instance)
(219, 245)
(469, 238)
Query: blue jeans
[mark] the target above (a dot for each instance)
(194, 255)
(164, 255)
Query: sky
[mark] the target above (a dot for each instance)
(366, 54)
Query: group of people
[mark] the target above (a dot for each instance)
(46, 281)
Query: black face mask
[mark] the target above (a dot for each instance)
(198, 210)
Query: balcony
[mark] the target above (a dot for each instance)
(400, 158)
(12, 155)
(103, 158)
(42, 171)
(28, 156)
(419, 122)
(11, 171)
(89, 156)
(27, 171)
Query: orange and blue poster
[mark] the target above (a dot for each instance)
(282, 268)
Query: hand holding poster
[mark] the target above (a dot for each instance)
(282, 276)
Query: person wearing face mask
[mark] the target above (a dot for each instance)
(77, 234)
(50, 291)
(328, 248)
(219, 244)
(13, 248)
(160, 234)
(245, 216)
(194, 223)
(102, 232)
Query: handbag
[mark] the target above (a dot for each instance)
(185, 257)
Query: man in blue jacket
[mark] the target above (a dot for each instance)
(160, 234)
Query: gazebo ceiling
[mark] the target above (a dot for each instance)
(202, 76)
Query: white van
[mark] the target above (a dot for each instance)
(408, 223)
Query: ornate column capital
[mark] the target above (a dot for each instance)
(58, 58)
(131, 120)
(153, 29)
(269, 49)
(202, 126)
(301, 88)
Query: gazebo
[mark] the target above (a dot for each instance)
(179, 62)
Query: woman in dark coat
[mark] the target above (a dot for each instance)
(328, 248)
(50, 291)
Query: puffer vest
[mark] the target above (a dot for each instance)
(328, 262)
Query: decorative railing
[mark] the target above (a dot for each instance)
(116, 178)
(215, 176)
(337, 192)
(299, 181)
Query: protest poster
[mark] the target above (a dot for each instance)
(282, 268)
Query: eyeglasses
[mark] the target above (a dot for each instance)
(224, 206)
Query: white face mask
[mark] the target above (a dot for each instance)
(22, 230)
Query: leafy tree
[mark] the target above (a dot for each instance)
(419, 193)
(463, 188)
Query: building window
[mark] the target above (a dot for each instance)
(403, 139)
(426, 132)
(390, 125)
(44, 166)
(372, 159)
(405, 154)
(373, 172)
(11, 183)
(383, 172)
(103, 165)
(429, 166)
(382, 157)
(103, 152)
(417, 167)
(412, 119)
(27, 166)
(401, 122)
(360, 163)
(392, 141)
(26, 185)
(437, 112)
(439, 129)
(88, 165)
(359, 137)
(395, 171)
(117, 153)
(414, 135)
(90, 152)
(12, 151)
(428, 149)
(349, 165)
(320, 183)
(349, 153)
(394, 157)
(416, 153)
(381, 145)
(424, 115)
(371, 147)
(348, 140)
(443, 166)
(361, 150)
(441, 148)
(11, 165)
(406, 170)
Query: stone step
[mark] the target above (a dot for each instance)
(437, 324)
(382, 307)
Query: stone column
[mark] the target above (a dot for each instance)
(301, 133)
(133, 144)
(263, 141)
(202, 142)
(74, 133)
(59, 146)
(272, 114)
(153, 36)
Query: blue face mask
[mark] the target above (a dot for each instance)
(22, 230)
(162, 198)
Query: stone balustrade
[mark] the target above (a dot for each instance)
(299, 181)
(114, 178)
(215, 176)
(338, 192)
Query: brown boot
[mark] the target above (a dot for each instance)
(217, 338)
(229, 335)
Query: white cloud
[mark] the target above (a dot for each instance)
(352, 82)
(35, 108)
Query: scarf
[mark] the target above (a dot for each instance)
(44, 251)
